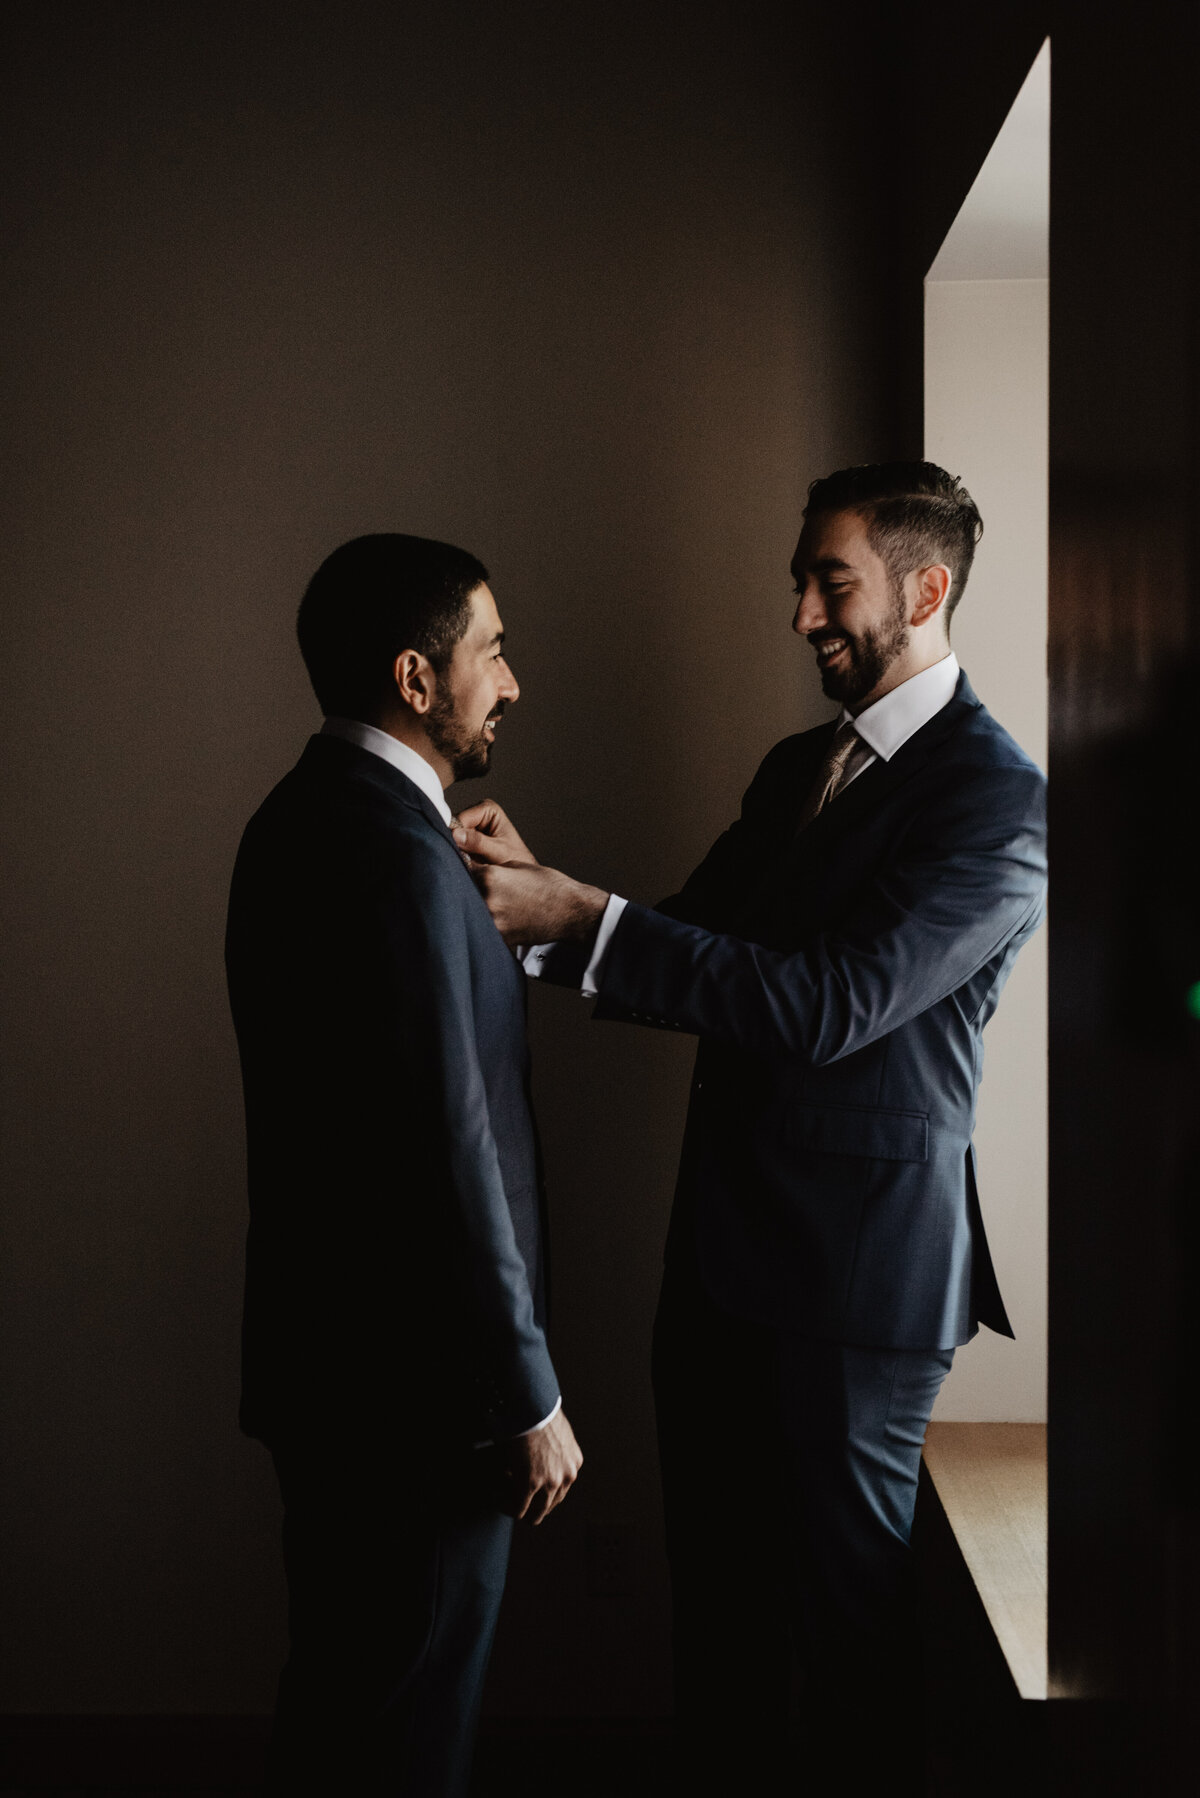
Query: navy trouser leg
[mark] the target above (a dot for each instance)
(392, 1605)
(789, 1476)
(854, 1422)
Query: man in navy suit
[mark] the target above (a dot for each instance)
(838, 953)
(395, 1359)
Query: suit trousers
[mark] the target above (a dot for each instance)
(395, 1573)
(789, 1478)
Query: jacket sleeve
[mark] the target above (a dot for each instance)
(430, 970)
(969, 877)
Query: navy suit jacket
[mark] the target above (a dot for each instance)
(394, 1257)
(839, 978)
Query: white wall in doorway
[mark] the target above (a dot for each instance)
(986, 416)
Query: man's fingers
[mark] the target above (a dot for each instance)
(544, 1468)
(541, 1507)
(477, 844)
(485, 814)
(536, 1503)
(556, 1493)
(491, 828)
(548, 1498)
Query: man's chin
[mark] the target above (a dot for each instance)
(850, 686)
(474, 764)
(842, 687)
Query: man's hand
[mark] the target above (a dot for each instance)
(541, 1468)
(532, 904)
(528, 903)
(486, 834)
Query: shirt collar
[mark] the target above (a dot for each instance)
(391, 749)
(888, 724)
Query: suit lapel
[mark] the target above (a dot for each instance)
(427, 809)
(873, 786)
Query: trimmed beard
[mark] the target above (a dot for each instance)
(870, 656)
(469, 756)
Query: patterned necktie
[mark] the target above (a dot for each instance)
(831, 774)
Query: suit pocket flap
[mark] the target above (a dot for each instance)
(861, 1130)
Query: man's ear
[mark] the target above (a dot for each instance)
(415, 680)
(932, 590)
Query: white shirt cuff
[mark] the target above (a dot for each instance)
(490, 1441)
(594, 972)
(544, 1422)
(532, 956)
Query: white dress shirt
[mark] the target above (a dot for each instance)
(887, 725)
(884, 728)
(391, 749)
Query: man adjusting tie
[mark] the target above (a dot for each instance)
(837, 953)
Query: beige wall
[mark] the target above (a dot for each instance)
(986, 395)
(581, 289)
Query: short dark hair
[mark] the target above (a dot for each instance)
(915, 513)
(374, 598)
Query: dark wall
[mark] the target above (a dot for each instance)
(595, 292)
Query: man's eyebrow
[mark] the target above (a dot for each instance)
(824, 565)
(498, 638)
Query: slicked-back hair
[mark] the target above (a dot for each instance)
(915, 513)
(371, 600)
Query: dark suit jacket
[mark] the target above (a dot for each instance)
(839, 978)
(394, 1257)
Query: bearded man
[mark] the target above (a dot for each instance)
(837, 953)
(394, 1352)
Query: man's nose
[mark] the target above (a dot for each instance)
(810, 611)
(508, 687)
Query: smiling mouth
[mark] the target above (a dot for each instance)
(828, 650)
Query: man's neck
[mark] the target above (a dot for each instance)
(904, 668)
(409, 731)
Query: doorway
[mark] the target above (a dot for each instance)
(986, 419)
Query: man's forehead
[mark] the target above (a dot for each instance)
(831, 541)
(485, 623)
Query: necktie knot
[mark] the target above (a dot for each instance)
(831, 775)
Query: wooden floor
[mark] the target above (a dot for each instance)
(991, 1480)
